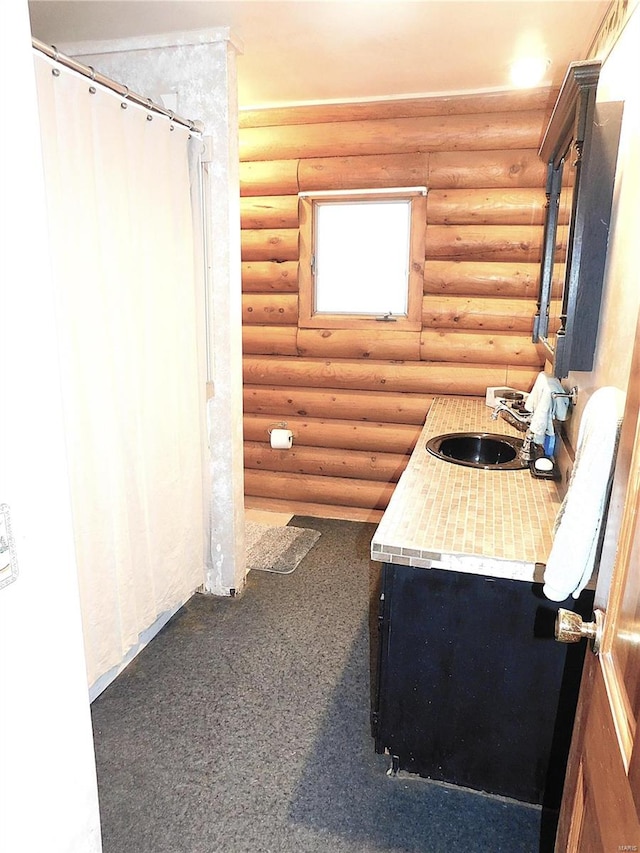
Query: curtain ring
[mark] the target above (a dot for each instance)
(123, 103)
(93, 73)
(55, 71)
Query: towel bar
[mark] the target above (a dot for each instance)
(572, 395)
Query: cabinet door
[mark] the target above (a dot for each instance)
(473, 689)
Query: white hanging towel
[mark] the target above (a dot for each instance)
(579, 521)
(545, 407)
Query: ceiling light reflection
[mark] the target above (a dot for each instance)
(529, 71)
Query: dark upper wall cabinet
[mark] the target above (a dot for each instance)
(580, 149)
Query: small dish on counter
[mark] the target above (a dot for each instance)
(544, 468)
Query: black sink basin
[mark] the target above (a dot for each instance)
(478, 450)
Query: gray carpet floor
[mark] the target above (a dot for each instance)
(243, 727)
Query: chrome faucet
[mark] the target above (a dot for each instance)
(516, 419)
(526, 451)
(521, 422)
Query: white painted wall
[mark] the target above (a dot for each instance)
(48, 790)
(621, 292)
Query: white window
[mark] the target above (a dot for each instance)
(362, 258)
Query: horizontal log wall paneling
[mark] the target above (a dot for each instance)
(452, 378)
(270, 276)
(540, 99)
(326, 461)
(378, 406)
(472, 347)
(463, 312)
(346, 435)
(270, 177)
(369, 494)
(480, 169)
(277, 211)
(486, 207)
(279, 309)
(482, 278)
(393, 135)
(356, 399)
(369, 171)
(316, 510)
(270, 244)
(270, 340)
(374, 344)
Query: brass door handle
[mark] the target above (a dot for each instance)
(571, 629)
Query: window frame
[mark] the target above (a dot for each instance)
(412, 321)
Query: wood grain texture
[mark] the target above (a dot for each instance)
(330, 490)
(344, 434)
(523, 206)
(471, 313)
(597, 786)
(315, 510)
(475, 348)
(270, 340)
(483, 278)
(269, 177)
(326, 461)
(480, 132)
(270, 276)
(274, 309)
(479, 169)
(412, 377)
(376, 171)
(379, 344)
(270, 244)
(373, 406)
(534, 99)
(269, 211)
(357, 390)
(504, 243)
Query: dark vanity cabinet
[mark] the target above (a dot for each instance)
(580, 149)
(470, 686)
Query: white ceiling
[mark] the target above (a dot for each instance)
(316, 50)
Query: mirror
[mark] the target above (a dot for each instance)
(580, 149)
(556, 313)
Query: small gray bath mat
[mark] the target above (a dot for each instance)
(277, 549)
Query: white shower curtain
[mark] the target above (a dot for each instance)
(130, 326)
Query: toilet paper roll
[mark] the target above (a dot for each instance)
(281, 439)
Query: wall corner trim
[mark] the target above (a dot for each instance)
(210, 35)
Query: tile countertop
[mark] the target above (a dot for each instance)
(442, 515)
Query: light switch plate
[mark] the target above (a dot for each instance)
(8, 557)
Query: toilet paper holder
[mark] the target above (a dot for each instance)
(280, 438)
(278, 425)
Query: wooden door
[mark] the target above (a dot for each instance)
(601, 803)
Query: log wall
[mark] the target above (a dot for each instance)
(356, 400)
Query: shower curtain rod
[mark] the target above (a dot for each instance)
(87, 71)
